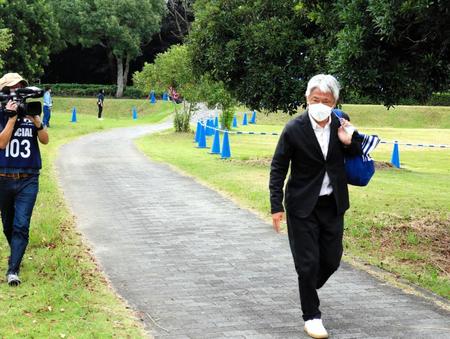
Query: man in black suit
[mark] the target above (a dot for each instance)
(314, 144)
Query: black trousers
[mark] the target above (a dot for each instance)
(100, 109)
(316, 246)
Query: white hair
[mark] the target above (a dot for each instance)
(325, 83)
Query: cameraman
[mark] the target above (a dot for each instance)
(20, 162)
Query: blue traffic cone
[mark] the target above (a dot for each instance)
(234, 122)
(207, 127)
(152, 97)
(226, 152)
(244, 121)
(216, 122)
(253, 118)
(210, 127)
(74, 115)
(134, 113)
(202, 138)
(215, 149)
(395, 156)
(198, 131)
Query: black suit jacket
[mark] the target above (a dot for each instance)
(299, 147)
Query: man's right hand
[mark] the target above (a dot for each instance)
(277, 218)
(11, 109)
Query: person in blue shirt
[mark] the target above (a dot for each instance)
(100, 100)
(20, 163)
(48, 103)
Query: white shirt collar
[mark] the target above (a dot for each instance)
(316, 126)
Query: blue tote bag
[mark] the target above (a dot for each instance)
(360, 169)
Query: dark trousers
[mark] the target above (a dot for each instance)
(47, 115)
(17, 199)
(100, 109)
(316, 246)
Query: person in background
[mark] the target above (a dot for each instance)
(48, 103)
(20, 163)
(174, 96)
(100, 101)
(313, 145)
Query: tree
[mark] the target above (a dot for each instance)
(5, 42)
(122, 27)
(259, 49)
(265, 51)
(34, 32)
(389, 50)
(182, 15)
(174, 69)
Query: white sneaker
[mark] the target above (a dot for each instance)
(13, 279)
(315, 329)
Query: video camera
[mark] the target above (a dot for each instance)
(19, 96)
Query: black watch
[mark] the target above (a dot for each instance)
(10, 113)
(40, 128)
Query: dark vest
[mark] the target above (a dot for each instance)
(22, 150)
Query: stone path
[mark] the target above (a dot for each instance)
(199, 266)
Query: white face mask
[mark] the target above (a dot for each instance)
(319, 112)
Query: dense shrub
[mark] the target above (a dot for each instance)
(181, 121)
(91, 90)
(437, 99)
(440, 99)
(226, 118)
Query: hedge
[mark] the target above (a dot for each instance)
(437, 99)
(91, 90)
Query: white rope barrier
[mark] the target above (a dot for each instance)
(275, 133)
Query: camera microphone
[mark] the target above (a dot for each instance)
(30, 92)
(20, 95)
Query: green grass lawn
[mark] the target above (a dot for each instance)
(400, 222)
(377, 116)
(63, 294)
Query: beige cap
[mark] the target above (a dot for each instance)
(11, 79)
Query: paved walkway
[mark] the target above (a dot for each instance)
(199, 266)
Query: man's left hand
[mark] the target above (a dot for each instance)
(36, 120)
(343, 136)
